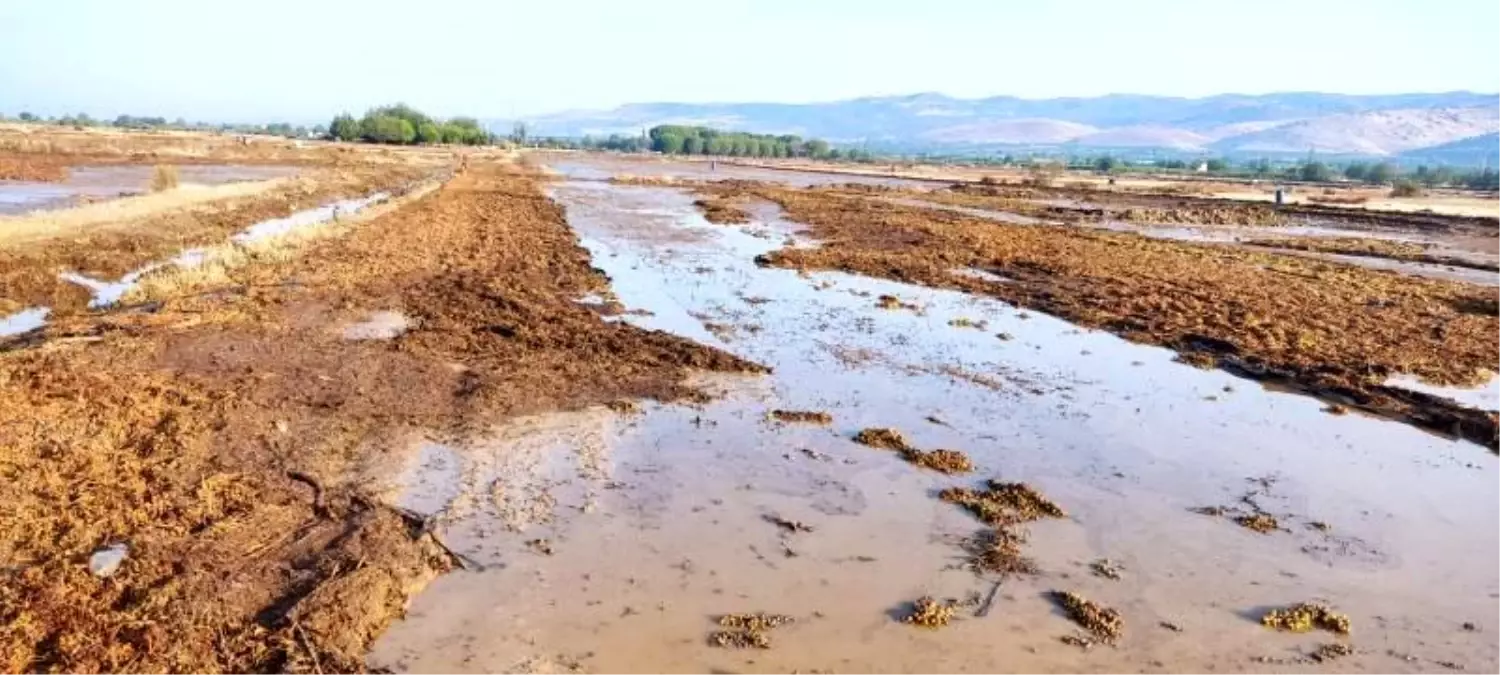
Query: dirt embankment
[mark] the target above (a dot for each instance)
(216, 435)
(1332, 330)
(29, 268)
(1371, 248)
(1169, 209)
(40, 168)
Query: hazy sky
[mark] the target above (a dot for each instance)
(307, 59)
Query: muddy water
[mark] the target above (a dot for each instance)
(607, 541)
(108, 182)
(604, 168)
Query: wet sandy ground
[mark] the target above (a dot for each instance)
(610, 541)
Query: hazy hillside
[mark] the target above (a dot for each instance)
(1270, 123)
(1011, 132)
(1383, 132)
(1476, 150)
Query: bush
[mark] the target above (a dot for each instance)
(1406, 188)
(164, 177)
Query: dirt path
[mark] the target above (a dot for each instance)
(217, 439)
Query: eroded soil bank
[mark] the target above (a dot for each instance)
(216, 437)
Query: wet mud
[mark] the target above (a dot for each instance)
(687, 499)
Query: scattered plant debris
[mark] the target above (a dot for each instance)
(789, 525)
(1104, 567)
(1003, 503)
(1260, 522)
(805, 416)
(998, 551)
(542, 546)
(1331, 651)
(747, 630)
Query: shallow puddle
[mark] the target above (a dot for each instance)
(609, 541)
(1485, 397)
(93, 183)
(24, 321)
(106, 292)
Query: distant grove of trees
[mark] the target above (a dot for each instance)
(685, 140)
(671, 139)
(401, 124)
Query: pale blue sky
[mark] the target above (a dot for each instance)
(307, 59)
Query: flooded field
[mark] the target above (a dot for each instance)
(96, 183)
(614, 539)
(613, 414)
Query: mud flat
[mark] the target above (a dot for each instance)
(657, 522)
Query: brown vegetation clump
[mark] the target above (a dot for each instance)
(1404, 251)
(1331, 651)
(885, 439)
(1327, 329)
(163, 177)
(1102, 621)
(722, 210)
(998, 551)
(1245, 214)
(930, 613)
(1003, 503)
(218, 437)
(1260, 522)
(1383, 248)
(945, 461)
(804, 416)
(1304, 617)
(893, 302)
(747, 630)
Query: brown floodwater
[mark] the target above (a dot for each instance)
(93, 183)
(599, 540)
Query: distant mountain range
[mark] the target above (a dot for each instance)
(1233, 124)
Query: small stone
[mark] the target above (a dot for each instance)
(106, 561)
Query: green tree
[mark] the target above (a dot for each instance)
(1217, 165)
(692, 145)
(1356, 171)
(387, 129)
(1381, 173)
(345, 128)
(429, 133)
(26, 117)
(1313, 172)
(1106, 164)
(817, 148)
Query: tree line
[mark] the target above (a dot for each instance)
(401, 124)
(148, 122)
(672, 139)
